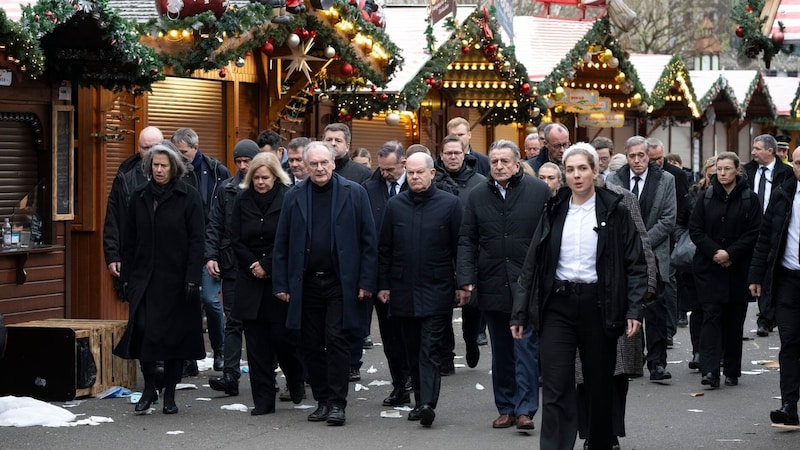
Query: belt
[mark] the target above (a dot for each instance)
(573, 288)
(789, 272)
(320, 274)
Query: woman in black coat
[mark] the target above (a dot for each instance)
(162, 258)
(253, 224)
(724, 227)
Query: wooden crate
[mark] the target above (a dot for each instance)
(102, 336)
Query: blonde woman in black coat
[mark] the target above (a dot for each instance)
(724, 227)
(162, 256)
(253, 224)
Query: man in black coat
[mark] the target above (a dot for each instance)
(388, 181)
(498, 224)
(459, 126)
(324, 265)
(416, 275)
(221, 263)
(764, 174)
(205, 174)
(128, 177)
(556, 136)
(775, 274)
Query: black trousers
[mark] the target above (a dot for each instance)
(267, 340)
(619, 401)
(787, 313)
(470, 327)
(721, 336)
(232, 343)
(572, 321)
(393, 348)
(766, 315)
(423, 337)
(655, 332)
(326, 345)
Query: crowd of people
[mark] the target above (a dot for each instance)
(564, 254)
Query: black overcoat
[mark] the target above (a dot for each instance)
(162, 252)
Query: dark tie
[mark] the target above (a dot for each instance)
(762, 186)
(635, 190)
(393, 190)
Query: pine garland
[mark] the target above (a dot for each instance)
(747, 15)
(21, 46)
(720, 86)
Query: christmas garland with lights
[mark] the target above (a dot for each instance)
(599, 35)
(21, 46)
(747, 15)
(253, 22)
(719, 86)
(759, 86)
(672, 71)
(124, 52)
(480, 28)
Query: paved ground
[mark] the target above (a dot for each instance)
(659, 417)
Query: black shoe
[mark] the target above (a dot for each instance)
(320, 414)
(296, 9)
(670, 342)
(219, 360)
(482, 339)
(262, 410)
(426, 416)
(762, 331)
(336, 415)
(659, 374)
(285, 395)
(398, 397)
(413, 415)
(447, 368)
(297, 392)
(226, 383)
(368, 343)
(190, 368)
(683, 321)
(786, 415)
(711, 380)
(731, 381)
(169, 404)
(355, 374)
(694, 364)
(473, 354)
(144, 403)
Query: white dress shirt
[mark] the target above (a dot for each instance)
(643, 177)
(792, 251)
(399, 184)
(577, 260)
(501, 189)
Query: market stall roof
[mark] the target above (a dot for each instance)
(713, 89)
(753, 95)
(541, 43)
(406, 27)
(668, 85)
(789, 14)
(781, 91)
(13, 8)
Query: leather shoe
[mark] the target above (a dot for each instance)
(143, 405)
(525, 423)
(482, 340)
(169, 407)
(284, 395)
(190, 368)
(694, 364)
(762, 331)
(413, 415)
(320, 414)
(659, 374)
(473, 354)
(297, 392)
(504, 421)
(426, 416)
(731, 381)
(336, 416)
(711, 380)
(262, 410)
(447, 368)
(354, 374)
(225, 383)
(786, 415)
(219, 360)
(399, 396)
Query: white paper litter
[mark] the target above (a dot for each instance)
(479, 386)
(695, 410)
(303, 406)
(235, 407)
(363, 399)
(175, 432)
(203, 399)
(457, 320)
(403, 408)
(675, 362)
(183, 386)
(379, 383)
(754, 372)
(361, 387)
(94, 420)
(28, 412)
(391, 414)
(457, 366)
(372, 369)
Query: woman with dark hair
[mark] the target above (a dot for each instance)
(582, 286)
(162, 256)
(724, 227)
(254, 221)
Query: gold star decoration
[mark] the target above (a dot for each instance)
(299, 59)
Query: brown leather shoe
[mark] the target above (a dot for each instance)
(525, 423)
(504, 421)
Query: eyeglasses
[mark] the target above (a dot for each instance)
(318, 164)
(452, 154)
(559, 146)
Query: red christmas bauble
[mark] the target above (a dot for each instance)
(491, 49)
(437, 84)
(465, 50)
(740, 31)
(384, 96)
(525, 88)
(223, 73)
(154, 71)
(267, 48)
(777, 38)
(748, 8)
(353, 2)
(304, 34)
(348, 117)
(187, 8)
(346, 69)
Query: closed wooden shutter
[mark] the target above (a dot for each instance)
(190, 103)
(479, 140)
(19, 166)
(371, 134)
(119, 121)
(248, 111)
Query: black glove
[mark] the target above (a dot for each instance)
(192, 293)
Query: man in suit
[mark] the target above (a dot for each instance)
(655, 189)
(775, 274)
(765, 173)
(388, 181)
(458, 126)
(294, 151)
(557, 137)
(324, 265)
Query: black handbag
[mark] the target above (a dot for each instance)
(683, 253)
